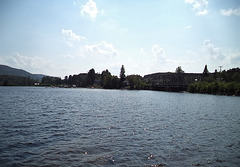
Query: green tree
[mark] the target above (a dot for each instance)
(74, 79)
(103, 75)
(122, 76)
(11, 80)
(47, 80)
(70, 80)
(114, 82)
(136, 82)
(108, 81)
(91, 77)
(66, 80)
(82, 80)
(179, 70)
(205, 71)
(5, 83)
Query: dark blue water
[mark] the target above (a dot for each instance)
(91, 127)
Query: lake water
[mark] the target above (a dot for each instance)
(94, 127)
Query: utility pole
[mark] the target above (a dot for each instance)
(220, 68)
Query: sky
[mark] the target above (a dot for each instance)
(63, 37)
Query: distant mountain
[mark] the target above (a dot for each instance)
(6, 70)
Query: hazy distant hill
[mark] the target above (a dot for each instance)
(6, 70)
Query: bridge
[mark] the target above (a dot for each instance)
(171, 81)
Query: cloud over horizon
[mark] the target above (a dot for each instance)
(214, 52)
(159, 53)
(33, 64)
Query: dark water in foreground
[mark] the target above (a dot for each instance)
(90, 127)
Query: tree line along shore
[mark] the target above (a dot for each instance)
(226, 82)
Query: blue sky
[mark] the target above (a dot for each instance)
(63, 37)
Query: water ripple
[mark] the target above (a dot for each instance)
(89, 127)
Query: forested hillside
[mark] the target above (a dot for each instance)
(6, 70)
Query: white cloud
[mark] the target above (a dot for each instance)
(203, 12)
(187, 27)
(74, 3)
(32, 64)
(69, 44)
(189, 1)
(142, 52)
(69, 35)
(235, 57)
(230, 12)
(214, 52)
(100, 49)
(68, 56)
(90, 9)
(159, 53)
(160, 61)
(191, 53)
(199, 6)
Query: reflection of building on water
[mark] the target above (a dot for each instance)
(172, 81)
